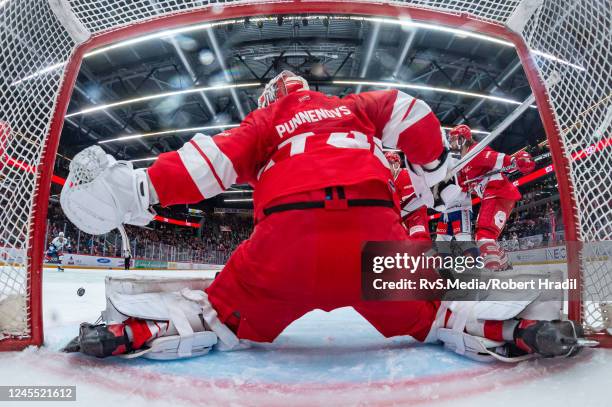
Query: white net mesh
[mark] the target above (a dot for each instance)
(580, 34)
(30, 38)
(34, 47)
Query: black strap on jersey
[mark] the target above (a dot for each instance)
(326, 203)
(321, 204)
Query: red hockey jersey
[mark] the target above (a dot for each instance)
(416, 221)
(304, 141)
(494, 186)
(403, 187)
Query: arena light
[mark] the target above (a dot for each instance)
(462, 33)
(177, 222)
(133, 41)
(160, 35)
(416, 24)
(97, 108)
(36, 74)
(166, 132)
(401, 85)
(171, 33)
(260, 20)
(555, 59)
(143, 159)
(239, 200)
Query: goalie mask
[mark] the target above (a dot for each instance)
(281, 85)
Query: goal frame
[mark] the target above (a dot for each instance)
(465, 21)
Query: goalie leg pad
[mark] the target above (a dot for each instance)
(182, 302)
(169, 347)
(183, 315)
(462, 331)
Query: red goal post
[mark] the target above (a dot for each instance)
(57, 27)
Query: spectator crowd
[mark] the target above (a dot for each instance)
(213, 242)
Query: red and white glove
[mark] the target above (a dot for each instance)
(524, 162)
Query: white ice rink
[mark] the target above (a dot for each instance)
(322, 359)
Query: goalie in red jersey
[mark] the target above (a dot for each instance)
(485, 176)
(322, 188)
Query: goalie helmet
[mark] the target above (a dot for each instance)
(281, 85)
(459, 135)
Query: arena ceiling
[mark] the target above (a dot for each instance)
(465, 79)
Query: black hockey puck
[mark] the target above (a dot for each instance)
(80, 292)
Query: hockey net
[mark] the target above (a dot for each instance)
(42, 42)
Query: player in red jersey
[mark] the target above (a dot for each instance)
(498, 194)
(322, 189)
(414, 216)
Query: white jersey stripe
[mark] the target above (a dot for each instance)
(401, 119)
(418, 111)
(222, 165)
(499, 162)
(390, 133)
(199, 169)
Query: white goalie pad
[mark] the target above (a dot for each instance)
(471, 346)
(141, 285)
(168, 347)
(466, 314)
(180, 301)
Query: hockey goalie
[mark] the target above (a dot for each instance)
(321, 188)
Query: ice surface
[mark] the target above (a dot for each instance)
(323, 359)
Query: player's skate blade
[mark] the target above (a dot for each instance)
(551, 338)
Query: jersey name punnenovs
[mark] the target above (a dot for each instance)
(304, 141)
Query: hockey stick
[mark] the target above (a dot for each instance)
(125, 242)
(551, 81)
(492, 136)
(510, 168)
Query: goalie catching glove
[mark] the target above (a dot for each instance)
(102, 193)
